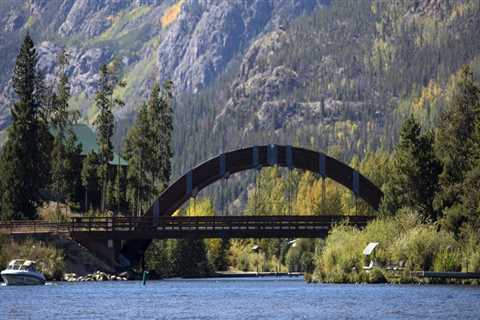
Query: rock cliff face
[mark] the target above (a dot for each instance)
(192, 50)
(209, 33)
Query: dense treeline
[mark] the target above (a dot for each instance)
(431, 208)
(429, 219)
(407, 115)
(378, 61)
(42, 160)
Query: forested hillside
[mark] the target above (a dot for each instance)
(337, 76)
(389, 87)
(341, 79)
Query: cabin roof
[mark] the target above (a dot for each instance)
(88, 138)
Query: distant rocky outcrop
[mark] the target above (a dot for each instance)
(261, 79)
(193, 50)
(209, 34)
(83, 69)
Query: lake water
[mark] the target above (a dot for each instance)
(254, 298)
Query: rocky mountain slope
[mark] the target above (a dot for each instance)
(336, 75)
(190, 42)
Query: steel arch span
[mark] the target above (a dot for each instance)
(254, 157)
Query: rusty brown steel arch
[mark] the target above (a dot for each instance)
(254, 157)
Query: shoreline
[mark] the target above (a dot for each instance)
(253, 274)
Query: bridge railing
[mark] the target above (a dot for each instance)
(87, 224)
(111, 224)
(33, 227)
(168, 223)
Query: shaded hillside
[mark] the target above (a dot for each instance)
(340, 79)
(189, 42)
(337, 76)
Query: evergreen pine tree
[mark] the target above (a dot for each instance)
(73, 167)
(148, 148)
(89, 177)
(414, 178)
(190, 258)
(165, 135)
(139, 156)
(65, 167)
(105, 102)
(455, 143)
(459, 147)
(24, 158)
(160, 114)
(155, 134)
(104, 125)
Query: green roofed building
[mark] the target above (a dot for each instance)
(88, 138)
(90, 199)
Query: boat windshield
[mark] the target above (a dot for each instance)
(29, 266)
(15, 264)
(26, 265)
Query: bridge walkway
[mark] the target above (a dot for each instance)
(168, 227)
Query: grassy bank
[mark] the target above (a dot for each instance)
(406, 243)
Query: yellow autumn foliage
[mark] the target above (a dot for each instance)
(200, 207)
(171, 14)
(429, 96)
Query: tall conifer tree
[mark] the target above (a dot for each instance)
(455, 143)
(458, 145)
(160, 112)
(66, 152)
(148, 148)
(139, 155)
(89, 177)
(24, 158)
(104, 125)
(414, 179)
(165, 139)
(105, 102)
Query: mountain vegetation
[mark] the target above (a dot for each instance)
(42, 159)
(391, 88)
(342, 79)
(25, 165)
(148, 149)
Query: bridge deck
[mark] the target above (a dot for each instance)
(125, 228)
(25, 227)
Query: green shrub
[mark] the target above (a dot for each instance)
(419, 247)
(342, 253)
(300, 257)
(239, 255)
(473, 262)
(402, 238)
(336, 276)
(217, 253)
(376, 276)
(386, 231)
(308, 277)
(159, 258)
(448, 259)
(243, 261)
(470, 239)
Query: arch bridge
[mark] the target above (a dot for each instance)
(124, 239)
(256, 157)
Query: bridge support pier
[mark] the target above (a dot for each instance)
(106, 249)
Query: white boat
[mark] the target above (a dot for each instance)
(22, 272)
